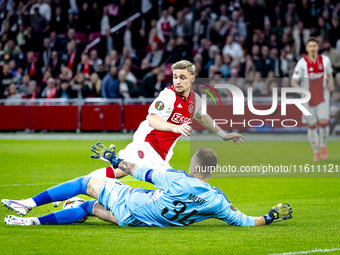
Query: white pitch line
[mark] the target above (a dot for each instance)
(48, 183)
(306, 252)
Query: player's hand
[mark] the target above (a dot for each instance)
(104, 154)
(184, 129)
(279, 212)
(237, 138)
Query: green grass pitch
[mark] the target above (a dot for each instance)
(29, 167)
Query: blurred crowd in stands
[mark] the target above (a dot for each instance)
(42, 44)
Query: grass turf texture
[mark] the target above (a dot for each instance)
(315, 202)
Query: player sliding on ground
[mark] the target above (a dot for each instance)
(314, 72)
(170, 116)
(180, 199)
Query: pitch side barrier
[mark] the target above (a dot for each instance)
(100, 114)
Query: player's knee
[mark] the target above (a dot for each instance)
(88, 207)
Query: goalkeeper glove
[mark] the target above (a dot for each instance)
(278, 212)
(102, 153)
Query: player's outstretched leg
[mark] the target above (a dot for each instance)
(62, 191)
(324, 134)
(65, 216)
(313, 138)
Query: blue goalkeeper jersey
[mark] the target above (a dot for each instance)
(179, 200)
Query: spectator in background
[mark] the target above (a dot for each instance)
(82, 90)
(110, 84)
(239, 28)
(182, 27)
(39, 27)
(6, 77)
(259, 87)
(12, 49)
(55, 65)
(95, 84)
(126, 88)
(203, 27)
(85, 66)
(24, 86)
(233, 49)
(334, 33)
(144, 69)
(105, 21)
(71, 58)
(45, 56)
(147, 88)
(160, 83)
(13, 95)
(155, 56)
(95, 61)
(106, 44)
(33, 91)
(324, 28)
(50, 90)
(65, 90)
(265, 64)
(43, 8)
(301, 36)
(32, 67)
(164, 26)
(58, 22)
(180, 52)
(274, 54)
(226, 66)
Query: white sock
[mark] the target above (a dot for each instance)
(313, 138)
(99, 173)
(30, 202)
(35, 219)
(324, 134)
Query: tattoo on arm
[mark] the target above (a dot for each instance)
(127, 167)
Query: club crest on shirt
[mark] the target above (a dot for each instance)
(191, 108)
(159, 105)
(140, 154)
(320, 67)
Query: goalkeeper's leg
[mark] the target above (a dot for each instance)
(63, 191)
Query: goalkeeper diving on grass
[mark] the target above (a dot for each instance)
(180, 199)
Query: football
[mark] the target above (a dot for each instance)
(74, 202)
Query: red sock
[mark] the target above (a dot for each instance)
(110, 173)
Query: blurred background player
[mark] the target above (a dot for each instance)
(180, 199)
(169, 117)
(314, 72)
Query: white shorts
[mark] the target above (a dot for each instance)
(144, 154)
(319, 112)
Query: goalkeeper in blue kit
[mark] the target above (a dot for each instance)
(179, 200)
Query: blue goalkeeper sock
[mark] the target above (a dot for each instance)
(62, 191)
(70, 215)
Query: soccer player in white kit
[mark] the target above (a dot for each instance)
(169, 117)
(314, 72)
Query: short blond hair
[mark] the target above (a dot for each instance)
(184, 64)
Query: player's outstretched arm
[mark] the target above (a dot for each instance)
(209, 124)
(158, 123)
(109, 155)
(330, 83)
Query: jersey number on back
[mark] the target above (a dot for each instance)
(182, 210)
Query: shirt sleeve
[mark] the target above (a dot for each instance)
(329, 69)
(198, 106)
(298, 71)
(163, 105)
(161, 179)
(229, 214)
